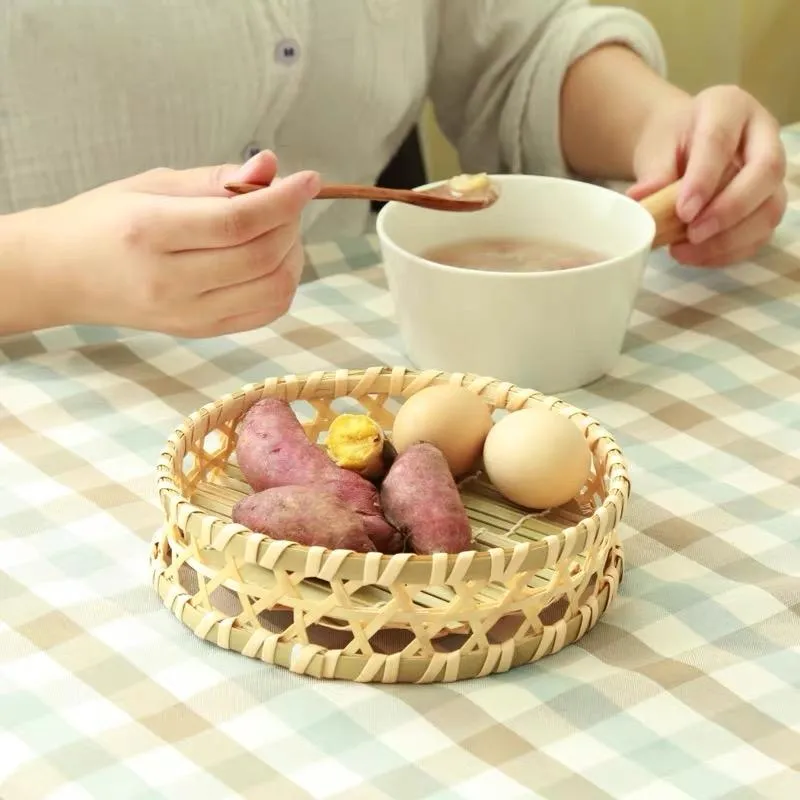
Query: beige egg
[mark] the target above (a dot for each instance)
(452, 418)
(537, 458)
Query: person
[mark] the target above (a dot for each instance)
(110, 115)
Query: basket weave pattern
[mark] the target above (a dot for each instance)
(534, 583)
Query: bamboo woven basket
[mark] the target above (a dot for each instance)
(534, 584)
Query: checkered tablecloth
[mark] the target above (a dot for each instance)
(688, 688)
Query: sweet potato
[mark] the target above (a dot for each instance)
(421, 499)
(356, 442)
(273, 450)
(304, 515)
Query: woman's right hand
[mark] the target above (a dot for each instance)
(171, 251)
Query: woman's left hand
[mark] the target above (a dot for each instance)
(726, 146)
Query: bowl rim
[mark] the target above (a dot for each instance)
(648, 235)
(495, 564)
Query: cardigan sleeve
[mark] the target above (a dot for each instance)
(499, 68)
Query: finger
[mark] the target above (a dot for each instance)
(714, 142)
(238, 324)
(747, 237)
(204, 181)
(656, 174)
(296, 261)
(203, 223)
(205, 329)
(645, 188)
(764, 170)
(726, 260)
(271, 294)
(208, 270)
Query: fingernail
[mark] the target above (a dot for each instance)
(313, 183)
(243, 168)
(704, 231)
(689, 208)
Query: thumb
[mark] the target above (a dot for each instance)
(205, 181)
(655, 175)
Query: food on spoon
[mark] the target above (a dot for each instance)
(452, 418)
(305, 515)
(469, 184)
(537, 458)
(273, 450)
(421, 499)
(356, 442)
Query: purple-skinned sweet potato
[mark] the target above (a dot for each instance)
(273, 450)
(305, 515)
(420, 498)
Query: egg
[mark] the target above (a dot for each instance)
(537, 458)
(451, 418)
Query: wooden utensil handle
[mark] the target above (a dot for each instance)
(661, 205)
(332, 191)
(238, 187)
(337, 191)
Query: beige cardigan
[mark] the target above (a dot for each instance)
(94, 90)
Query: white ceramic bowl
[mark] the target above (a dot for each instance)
(553, 331)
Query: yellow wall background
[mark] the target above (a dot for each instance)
(752, 43)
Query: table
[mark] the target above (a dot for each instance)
(688, 688)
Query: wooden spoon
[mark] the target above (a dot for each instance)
(465, 193)
(661, 205)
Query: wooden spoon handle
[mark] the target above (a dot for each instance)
(244, 188)
(352, 191)
(661, 204)
(330, 191)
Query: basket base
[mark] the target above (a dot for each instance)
(509, 646)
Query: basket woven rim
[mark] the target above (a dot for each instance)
(404, 381)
